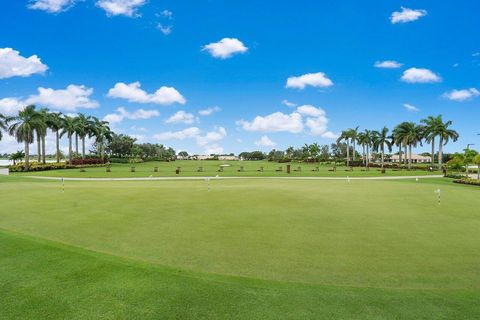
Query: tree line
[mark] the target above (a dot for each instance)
(31, 124)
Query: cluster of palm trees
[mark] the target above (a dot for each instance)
(406, 135)
(30, 124)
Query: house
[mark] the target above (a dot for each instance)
(416, 158)
(227, 158)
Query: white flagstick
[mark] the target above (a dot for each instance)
(208, 183)
(63, 185)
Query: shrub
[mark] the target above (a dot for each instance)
(469, 181)
(36, 166)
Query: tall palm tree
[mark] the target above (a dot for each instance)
(431, 131)
(314, 150)
(362, 140)
(289, 152)
(102, 133)
(354, 138)
(445, 134)
(382, 139)
(3, 124)
(398, 142)
(68, 127)
(345, 136)
(55, 123)
(84, 128)
(42, 133)
(411, 135)
(23, 128)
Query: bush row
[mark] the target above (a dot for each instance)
(36, 166)
(470, 181)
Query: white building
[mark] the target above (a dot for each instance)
(416, 158)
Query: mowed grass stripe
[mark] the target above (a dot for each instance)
(40, 279)
(362, 233)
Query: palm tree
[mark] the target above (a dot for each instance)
(3, 124)
(42, 133)
(289, 152)
(411, 135)
(55, 123)
(314, 150)
(23, 128)
(398, 142)
(345, 136)
(362, 140)
(85, 126)
(382, 139)
(354, 138)
(68, 127)
(102, 132)
(431, 131)
(445, 135)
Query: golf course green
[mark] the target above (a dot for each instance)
(239, 249)
(189, 168)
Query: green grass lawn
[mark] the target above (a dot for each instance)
(210, 168)
(246, 249)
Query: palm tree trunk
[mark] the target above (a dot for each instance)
(83, 147)
(368, 156)
(433, 150)
(348, 153)
(440, 153)
(27, 156)
(409, 157)
(76, 143)
(383, 155)
(400, 153)
(364, 157)
(43, 149)
(39, 148)
(57, 138)
(405, 153)
(354, 147)
(102, 156)
(70, 149)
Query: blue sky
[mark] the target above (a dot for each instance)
(108, 58)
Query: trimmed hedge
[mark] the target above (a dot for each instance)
(469, 181)
(87, 161)
(36, 166)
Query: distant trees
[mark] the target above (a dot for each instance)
(254, 155)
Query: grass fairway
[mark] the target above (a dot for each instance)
(210, 168)
(248, 249)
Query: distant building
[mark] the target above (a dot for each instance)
(416, 158)
(227, 158)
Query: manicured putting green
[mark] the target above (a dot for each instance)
(212, 168)
(245, 249)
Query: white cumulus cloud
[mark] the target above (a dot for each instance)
(127, 8)
(121, 114)
(407, 15)
(69, 99)
(319, 80)
(288, 103)
(12, 64)
(420, 75)
(181, 117)
(214, 149)
(388, 64)
(265, 142)
(225, 48)
(166, 30)
(306, 116)
(187, 133)
(209, 111)
(461, 95)
(10, 106)
(51, 6)
(202, 139)
(133, 93)
(410, 107)
(275, 122)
